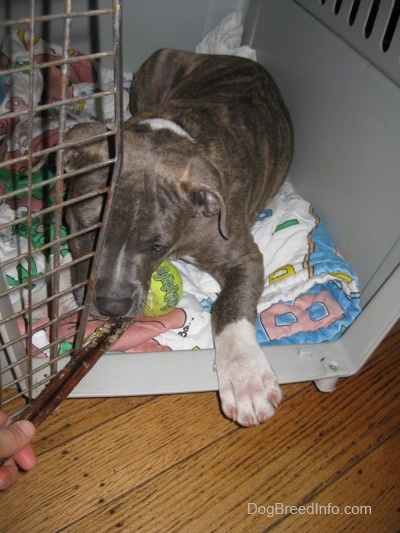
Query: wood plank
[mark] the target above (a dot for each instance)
(76, 416)
(350, 504)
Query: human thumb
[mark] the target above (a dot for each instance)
(15, 437)
(27, 428)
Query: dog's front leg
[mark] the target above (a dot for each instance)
(248, 388)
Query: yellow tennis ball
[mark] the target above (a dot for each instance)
(165, 290)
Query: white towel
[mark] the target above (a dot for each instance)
(226, 38)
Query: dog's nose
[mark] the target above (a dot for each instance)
(113, 306)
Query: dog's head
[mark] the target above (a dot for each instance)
(162, 190)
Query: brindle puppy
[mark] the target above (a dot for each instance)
(209, 143)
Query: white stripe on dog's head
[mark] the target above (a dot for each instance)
(165, 124)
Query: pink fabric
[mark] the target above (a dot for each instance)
(138, 338)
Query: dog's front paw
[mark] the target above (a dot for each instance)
(248, 388)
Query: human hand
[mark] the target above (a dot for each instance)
(15, 449)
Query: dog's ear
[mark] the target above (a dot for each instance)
(86, 153)
(206, 190)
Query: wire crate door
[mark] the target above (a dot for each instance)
(46, 88)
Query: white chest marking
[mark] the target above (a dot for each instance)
(165, 124)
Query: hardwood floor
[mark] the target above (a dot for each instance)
(173, 463)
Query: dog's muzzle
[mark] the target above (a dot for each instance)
(130, 304)
(113, 306)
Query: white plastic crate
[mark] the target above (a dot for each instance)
(346, 113)
(341, 85)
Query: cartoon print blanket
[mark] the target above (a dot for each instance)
(310, 294)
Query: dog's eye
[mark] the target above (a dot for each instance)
(157, 248)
